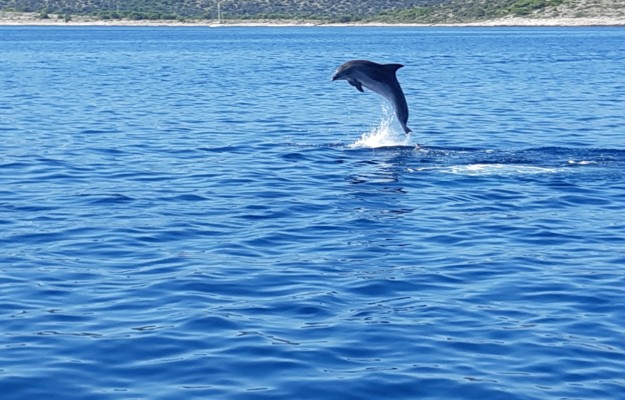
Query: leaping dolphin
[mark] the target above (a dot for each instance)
(379, 78)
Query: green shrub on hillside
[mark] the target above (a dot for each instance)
(525, 7)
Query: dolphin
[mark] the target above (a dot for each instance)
(379, 78)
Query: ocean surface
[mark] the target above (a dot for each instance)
(200, 213)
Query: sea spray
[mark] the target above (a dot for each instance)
(383, 135)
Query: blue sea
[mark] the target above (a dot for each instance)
(200, 213)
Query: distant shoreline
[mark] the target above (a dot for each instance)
(31, 19)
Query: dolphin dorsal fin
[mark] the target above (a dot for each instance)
(392, 67)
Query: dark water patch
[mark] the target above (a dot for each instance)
(107, 199)
(185, 198)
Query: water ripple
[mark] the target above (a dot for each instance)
(174, 226)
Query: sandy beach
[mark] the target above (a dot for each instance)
(32, 19)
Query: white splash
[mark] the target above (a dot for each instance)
(504, 169)
(583, 162)
(490, 169)
(384, 135)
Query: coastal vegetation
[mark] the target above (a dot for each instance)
(390, 11)
(331, 10)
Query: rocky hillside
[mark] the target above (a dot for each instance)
(392, 11)
(586, 9)
(458, 11)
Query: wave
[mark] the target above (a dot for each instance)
(488, 169)
(483, 161)
(486, 161)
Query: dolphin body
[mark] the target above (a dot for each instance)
(379, 78)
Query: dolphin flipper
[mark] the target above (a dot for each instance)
(355, 84)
